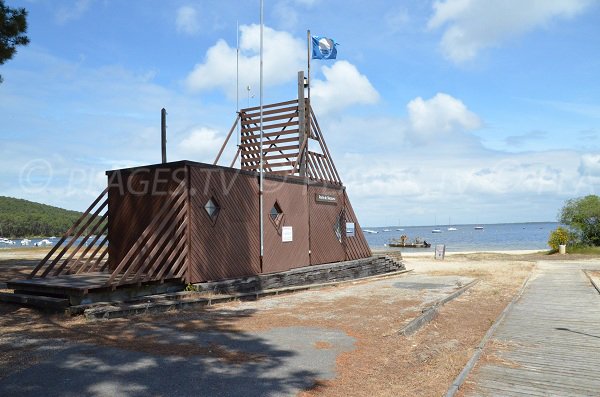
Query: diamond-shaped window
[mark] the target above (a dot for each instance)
(276, 213)
(212, 208)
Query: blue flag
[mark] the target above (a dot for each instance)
(323, 48)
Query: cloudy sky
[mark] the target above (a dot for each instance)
(475, 110)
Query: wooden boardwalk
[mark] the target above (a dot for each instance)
(549, 343)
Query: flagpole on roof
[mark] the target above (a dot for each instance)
(261, 170)
(308, 41)
(237, 75)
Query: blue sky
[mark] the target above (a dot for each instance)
(475, 110)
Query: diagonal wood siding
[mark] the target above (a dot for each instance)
(135, 197)
(356, 246)
(229, 245)
(324, 244)
(292, 198)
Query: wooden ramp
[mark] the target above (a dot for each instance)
(549, 343)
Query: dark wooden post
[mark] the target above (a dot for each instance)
(163, 134)
(302, 135)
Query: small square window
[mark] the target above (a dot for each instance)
(212, 208)
(276, 214)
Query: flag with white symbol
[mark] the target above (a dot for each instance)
(323, 48)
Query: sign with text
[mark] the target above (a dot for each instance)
(440, 251)
(325, 198)
(349, 229)
(287, 234)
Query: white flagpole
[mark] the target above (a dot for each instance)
(308, 46)
(237, 76)
(261, 170)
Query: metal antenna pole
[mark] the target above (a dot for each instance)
(261, 170)
(163, 135)
(237, 75)
(308, 45)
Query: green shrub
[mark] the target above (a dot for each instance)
(558, 237)
(582, 216)
(191, 288)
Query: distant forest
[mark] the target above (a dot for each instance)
(21, 218)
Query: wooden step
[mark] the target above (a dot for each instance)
(42, 302)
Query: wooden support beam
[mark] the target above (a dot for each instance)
(67, 234)
(272, 105)
(227, 139)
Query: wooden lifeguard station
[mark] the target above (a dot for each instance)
(165, 225)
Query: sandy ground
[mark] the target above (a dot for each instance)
(381, 363)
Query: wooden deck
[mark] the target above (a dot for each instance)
(71, 284)
(549, 343)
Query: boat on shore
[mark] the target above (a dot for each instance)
(403, 242)
(424, 244)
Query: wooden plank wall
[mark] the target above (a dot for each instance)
(135, 197)
(356, 246)
(229, 245)
(324, 244)
(292, 198)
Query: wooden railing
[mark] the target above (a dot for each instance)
(287, 130)
(88, 229)
(159, 253)
(161, 250)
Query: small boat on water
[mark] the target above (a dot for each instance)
(436, 231)
(478, 228)
(451, 228)
(43, 243)
(25, 242)
(370, 231)
(400, 230)
(386, 230)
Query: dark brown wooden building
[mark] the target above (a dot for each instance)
(196, 222)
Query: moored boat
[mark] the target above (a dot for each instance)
(403, 242)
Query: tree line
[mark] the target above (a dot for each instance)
(21, 218)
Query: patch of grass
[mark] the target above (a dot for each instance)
(585, 250)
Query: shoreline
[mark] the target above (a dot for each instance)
(451, 253)
(408, 254)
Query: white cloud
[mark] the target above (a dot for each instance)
(590, 165)
(473, 25)
(524, 186)
(439, 116)
(343, 86)
(201, 144)
(187, 21)
(72, 12)
(284, 55)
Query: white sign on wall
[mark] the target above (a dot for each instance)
(349, 229)
(287, 234)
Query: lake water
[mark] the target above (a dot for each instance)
(503, 236)
(496, 237)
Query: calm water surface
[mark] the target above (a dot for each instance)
(503, 236)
